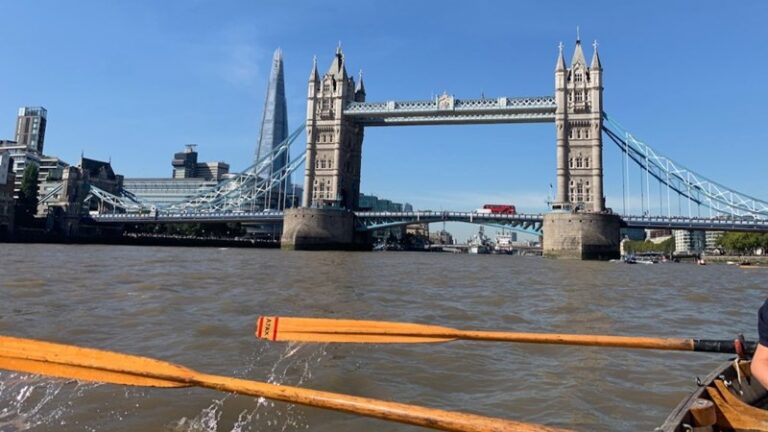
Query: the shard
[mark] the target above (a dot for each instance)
(274, 122)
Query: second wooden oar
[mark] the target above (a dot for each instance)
(358, 331)
(87, 364)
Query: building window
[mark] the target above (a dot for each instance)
(586, 165)
(579, 96)
(570, 164)
(578, 162)
(577, 77)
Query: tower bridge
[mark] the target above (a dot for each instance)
(337, 114)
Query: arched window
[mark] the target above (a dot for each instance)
(586, 165)
(578, 163)
(570, 164)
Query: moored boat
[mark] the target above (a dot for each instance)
(728, 399)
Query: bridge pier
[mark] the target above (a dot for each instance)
(582, 236)
(321, 229)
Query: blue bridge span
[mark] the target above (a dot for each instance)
(371, 221)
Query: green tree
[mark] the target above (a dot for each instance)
(637, 246)
(742, 243)
(26, 205)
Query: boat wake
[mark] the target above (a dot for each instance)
(32, 402)
(292, 368)
(29, 401)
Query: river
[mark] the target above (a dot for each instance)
(198, 306)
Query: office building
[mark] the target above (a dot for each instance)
(7, 202)
(30, 128)
(689, 242)
(185, 166)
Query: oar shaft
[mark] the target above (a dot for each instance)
(392, 411)
(585, 340)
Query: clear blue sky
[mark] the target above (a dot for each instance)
(136, 80)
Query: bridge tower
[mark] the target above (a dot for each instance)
(579, 226)
(332, 168)
(334, 144)
(579, 123)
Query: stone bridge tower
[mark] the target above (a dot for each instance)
(579, 123)
(334, 144)
(332, 173)
(579, 226)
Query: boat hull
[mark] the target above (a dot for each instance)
(737, 399)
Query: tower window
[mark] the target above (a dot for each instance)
(586, 165)
(577, 77)
(579, 97)
(579, 163)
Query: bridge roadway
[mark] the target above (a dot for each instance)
(368, 221)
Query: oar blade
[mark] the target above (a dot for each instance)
(88, 364)
(352, 338)
(57, 370)
(285, 329)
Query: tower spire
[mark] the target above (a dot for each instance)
(578, 54)
(595, 59)
(314, 76)
(337, 68)
(560, 59)
(360, 88)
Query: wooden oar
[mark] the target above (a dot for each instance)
(358, 331)
(87, 364)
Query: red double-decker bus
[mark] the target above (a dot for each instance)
(500, 208)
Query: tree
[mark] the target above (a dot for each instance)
(638, 246)
(26, 205)
(742, 243)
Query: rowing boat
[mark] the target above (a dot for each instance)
(728, 399)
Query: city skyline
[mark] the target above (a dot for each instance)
(137, 97)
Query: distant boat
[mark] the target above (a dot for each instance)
(479, 243)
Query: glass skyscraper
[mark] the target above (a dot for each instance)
(274, 123)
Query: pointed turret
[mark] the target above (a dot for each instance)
(337, 68)
(360, 88)
(578, 55)
(596, 59)
(560, 60)
(314, 76)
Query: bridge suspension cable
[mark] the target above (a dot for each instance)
(687, 183)
(253, 188)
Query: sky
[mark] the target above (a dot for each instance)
(134, 81)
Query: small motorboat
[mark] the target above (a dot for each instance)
(728, 399)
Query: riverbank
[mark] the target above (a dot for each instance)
(151, 240)
(738, 259)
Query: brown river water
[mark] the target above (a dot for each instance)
(198, 306)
